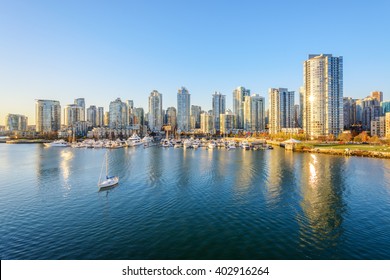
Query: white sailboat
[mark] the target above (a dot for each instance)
(108, 181)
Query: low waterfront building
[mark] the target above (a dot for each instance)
(111, 133)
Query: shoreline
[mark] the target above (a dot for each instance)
(340, 152)
(328, 151)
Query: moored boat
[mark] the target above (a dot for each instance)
(57, 143)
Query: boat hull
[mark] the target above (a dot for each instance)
(109, 182)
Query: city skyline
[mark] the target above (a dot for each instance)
(63, 51)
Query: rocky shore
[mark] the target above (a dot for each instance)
(345, 152)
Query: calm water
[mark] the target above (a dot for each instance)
(192, 204)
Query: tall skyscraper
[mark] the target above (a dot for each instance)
(254, 113)
(92, 115)
(281, 109)
(171, 117)
(238, 105)
(323, 95)
(72, 114)
(15, 122)
(195, 116)
(81, 103)
(47, 115)
(219, 107)
(183, 109)
(378, 95)
(155, 111)
(119, 114)
(100, 117)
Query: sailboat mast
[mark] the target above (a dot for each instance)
(106, 164)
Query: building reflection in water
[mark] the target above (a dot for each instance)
(155, 166)
(245, 172)
(47, 167)
(322, 206)
(66, 157)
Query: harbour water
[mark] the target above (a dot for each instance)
(192, 204)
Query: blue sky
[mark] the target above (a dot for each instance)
(101, 50)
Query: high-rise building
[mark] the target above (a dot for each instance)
(387, 125)
(371, 112)
(297, 114)
(254, 113)
(155, 111)
(100, 117)
(171, 117)
(130, 107)
(15, 122)
(119, 114)
(47, 115)
(195, 116)
(183, 109)
(385, 105)
(281, 109)
(206, 123)
(358, 111)
(92, 115)
(323, 95)
(227, 122)
(139, 117)
(378, 95)
(378, 127)
(81, 103)
(301, 105)
(106, 120)
(72, 114)
(348, 111)
(238, 105)
(219, 107)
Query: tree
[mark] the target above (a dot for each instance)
(374, 139)
(331, 137)
(364, 136)
(345, 137)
